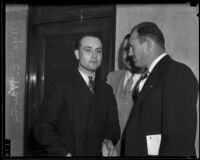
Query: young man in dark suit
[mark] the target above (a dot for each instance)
(79, 116)
(164, 118)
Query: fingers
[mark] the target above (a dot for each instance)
(105, 151)
(108, 148)
(68, 155)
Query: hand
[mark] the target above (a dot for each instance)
(108, 148)
(68, 155)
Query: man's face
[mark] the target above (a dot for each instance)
(137, 50)
(89, 53)
(128, 60)
(124, 54)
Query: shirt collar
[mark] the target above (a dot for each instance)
(85, 76)
(153, 64)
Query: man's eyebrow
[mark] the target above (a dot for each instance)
(87, 47)
(99, 48)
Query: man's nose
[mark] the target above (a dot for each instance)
(94, 54)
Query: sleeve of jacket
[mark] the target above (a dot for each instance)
(108, 81)
(179, 116)
(45, 126)
(113, 129)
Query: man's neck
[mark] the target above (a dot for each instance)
(135, 70)
(88, 73)
(153, 64)
(157, 52)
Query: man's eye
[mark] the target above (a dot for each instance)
(87, 50)
(99, 51)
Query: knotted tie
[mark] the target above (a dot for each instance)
(136, 91)
(91, 84)
(128, 85)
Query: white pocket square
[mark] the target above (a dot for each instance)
(153, 144)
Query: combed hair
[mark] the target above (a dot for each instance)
(151, 30)
(77, 44)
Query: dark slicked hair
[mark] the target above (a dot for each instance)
(78, 41)
(150, 30)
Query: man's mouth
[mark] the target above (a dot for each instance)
(94, 62)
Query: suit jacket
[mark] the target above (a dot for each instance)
(116, 80)
(166, 105)
(124, 103)
(72, 120)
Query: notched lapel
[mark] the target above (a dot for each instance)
(120, 85)
(79, 88)
(149, 84)
(155, 76)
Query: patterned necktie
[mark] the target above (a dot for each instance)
(136, 92)
(91, 84)
(128, 85)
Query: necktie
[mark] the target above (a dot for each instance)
(128, 85)
(144, 75)
(91, 84)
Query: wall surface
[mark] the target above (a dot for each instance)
(180, 26)
(16, 31)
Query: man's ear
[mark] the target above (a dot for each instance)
(149, 44)
(76, 52)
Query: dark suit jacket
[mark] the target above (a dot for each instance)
(72, 120)
(166, 105)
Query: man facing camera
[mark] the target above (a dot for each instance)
(79, 114)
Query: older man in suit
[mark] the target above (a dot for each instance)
(123, 82)
(163, 121)
(79, 115)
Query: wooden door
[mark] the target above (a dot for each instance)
(51, 52)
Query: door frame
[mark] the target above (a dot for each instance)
(35, 66)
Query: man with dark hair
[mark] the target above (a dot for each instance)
(164, 118)
(79, 114)
(123, 82)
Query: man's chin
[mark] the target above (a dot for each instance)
(135, 69)
(93, 69)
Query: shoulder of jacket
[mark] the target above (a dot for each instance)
(116, 73)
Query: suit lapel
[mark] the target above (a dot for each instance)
(121, 84)
(154, 77)
(93, 111)
(80, 88)
(81, 97)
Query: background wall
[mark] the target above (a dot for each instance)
(16, 31)
(180, 26)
